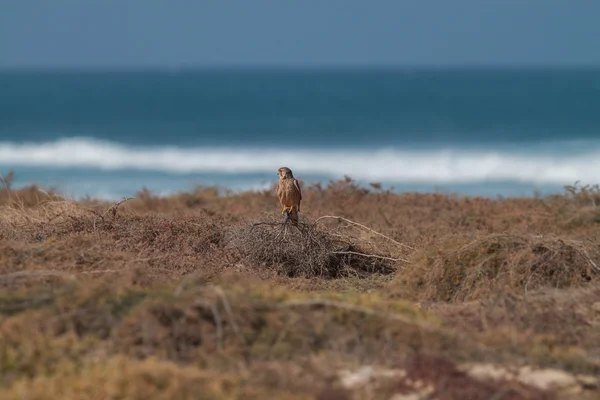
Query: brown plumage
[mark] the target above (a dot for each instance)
(288, 193)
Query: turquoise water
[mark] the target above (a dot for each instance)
(471, 131)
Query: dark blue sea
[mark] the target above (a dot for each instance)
(472, 131)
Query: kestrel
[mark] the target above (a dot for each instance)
(288, 193)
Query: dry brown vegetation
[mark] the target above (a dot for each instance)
(374, 295)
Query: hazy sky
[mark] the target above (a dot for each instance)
(104, 33)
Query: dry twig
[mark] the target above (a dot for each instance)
(115, 207)
(218, 320)
(364, 227)
(371, 256)
(102, 271)
(7, 183)
(219, 325)
(234, 325)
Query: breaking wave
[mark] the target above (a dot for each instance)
(392, 165)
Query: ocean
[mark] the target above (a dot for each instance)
(484, 132)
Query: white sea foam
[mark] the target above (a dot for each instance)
(393, 165)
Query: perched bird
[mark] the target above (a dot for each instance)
(288, 193)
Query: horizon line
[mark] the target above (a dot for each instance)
(293, 67)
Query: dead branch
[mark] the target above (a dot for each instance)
(371, 256)
(364, 227)
(217, 289)
(7, 182)
(181, 286)
(219, 325)
(102, 271)
(97, 215)
(115, 206)
(267, 224)
(283, 227)
(578, 246)
(227, 307)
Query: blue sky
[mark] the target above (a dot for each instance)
(126, 33)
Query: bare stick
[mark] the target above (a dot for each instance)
(227, 307)
(7, 187)
(102, 271)
(97, 215)
(587, 257)
(592, 263)
(181, 285)
(219, 325)
(583, 251)
(371, 256)
(364, 227)
(279, 234)
(221, 293)
(115, 206)
(267, 224)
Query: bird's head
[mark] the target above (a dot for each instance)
(284, 173)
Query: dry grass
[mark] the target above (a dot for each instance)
(469, 268)
(200, 295)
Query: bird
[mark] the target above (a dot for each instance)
(289, 193)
